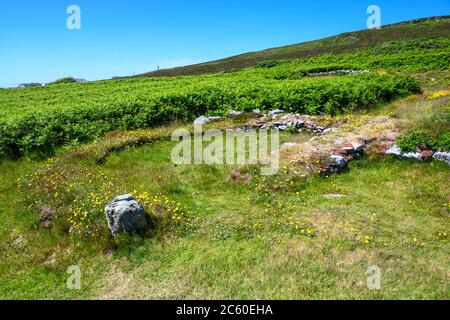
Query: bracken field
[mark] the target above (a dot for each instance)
(224, 231)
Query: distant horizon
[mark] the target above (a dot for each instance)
(123, 40)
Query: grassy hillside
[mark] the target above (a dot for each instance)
(225, 231)
(428, 28)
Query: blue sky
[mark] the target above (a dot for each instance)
(123, 37)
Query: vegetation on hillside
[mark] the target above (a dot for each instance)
(38, 120)
(428, 28)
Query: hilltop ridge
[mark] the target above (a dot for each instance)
(430, 27)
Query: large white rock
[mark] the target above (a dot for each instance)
(201, 120)
(205, 120)
(394, 150)
(125, 215)
(275, 112)
(234, 113)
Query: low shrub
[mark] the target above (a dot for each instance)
(40, 132)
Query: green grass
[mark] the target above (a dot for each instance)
(234, 248)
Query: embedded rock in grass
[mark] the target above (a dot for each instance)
(275, 112)
(426, 154)
(126, 215)
(234, 113)
(201, 120)
(442, 156)
(394, 151)
(205, 120)
(339, 161)
(412, 155)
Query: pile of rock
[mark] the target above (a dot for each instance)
(290, 121)
(390, 148)
(341, 155)
(419, 154)
(324, 161)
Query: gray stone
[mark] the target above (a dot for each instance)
(201, 120)
(234, 113)
(357, 146)
(394, 150)
(339, 160)
(205, 120)
(275, 112)
(412, 155)
(442, 156)
(125, 215)
(213, 119)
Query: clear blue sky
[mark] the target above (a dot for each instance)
(122, 37)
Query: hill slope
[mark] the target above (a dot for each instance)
(433, 27)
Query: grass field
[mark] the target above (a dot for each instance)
(240, 242)
(69, 149)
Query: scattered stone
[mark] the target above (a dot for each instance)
(257, 111)
(238, 176)
(349, 151)
(357, 146)
(339, 160)
(275, 112)
(412, 155)
(340, 152)
(426, 154)
(394, 150)
(201, 120)
(205, 120)
(442, 156)
(234, 113)
(213, 119)
(125, 215)
(17, 240)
